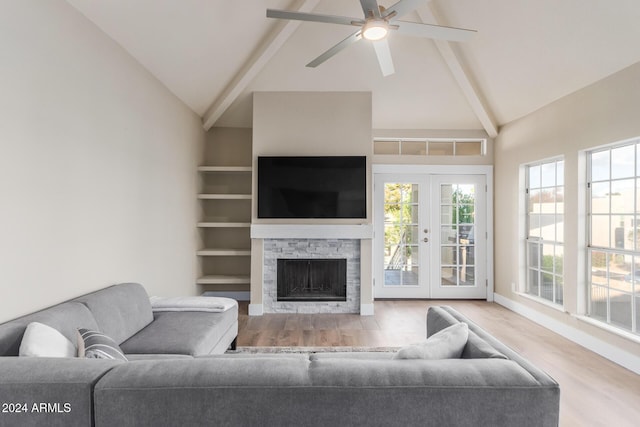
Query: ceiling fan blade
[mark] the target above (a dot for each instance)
(402, 8)
(335, 49)
(313, 17)
(384, 57)
(370, 6)
(434, 31)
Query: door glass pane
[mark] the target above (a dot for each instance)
(401, 250)
(457, 234)
(446, 215)
(448, 234)
(449, 276)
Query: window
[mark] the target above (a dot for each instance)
(613, 248)
(545, 230)
(429, 147)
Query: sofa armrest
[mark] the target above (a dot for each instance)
(49, 391)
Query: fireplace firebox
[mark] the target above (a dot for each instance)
(312, 279)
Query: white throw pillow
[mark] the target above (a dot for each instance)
(40, 340)
(446, 344)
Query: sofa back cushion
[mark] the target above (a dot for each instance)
(120, 311)
(66, 318)
(477, 348)
(438, 319)
(446, 344)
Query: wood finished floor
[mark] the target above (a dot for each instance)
(594, 391)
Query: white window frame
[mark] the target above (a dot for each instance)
(557, 296)
(611, 249)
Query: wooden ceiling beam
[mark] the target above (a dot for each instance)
(461, 75)
(271, 45)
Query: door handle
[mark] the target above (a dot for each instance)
(426, 239)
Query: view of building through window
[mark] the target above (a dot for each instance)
(545, 230)
(613, 224)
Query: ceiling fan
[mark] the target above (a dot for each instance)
(376, 26)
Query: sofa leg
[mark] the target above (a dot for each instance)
(234, 343)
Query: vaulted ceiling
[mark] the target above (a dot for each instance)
(212, 54)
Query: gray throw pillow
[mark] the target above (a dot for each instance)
(446, 344)
(96, 345)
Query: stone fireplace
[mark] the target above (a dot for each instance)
(338, 251)
(299, 254)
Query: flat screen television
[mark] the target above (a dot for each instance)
(312, 187)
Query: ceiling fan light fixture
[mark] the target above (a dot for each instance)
(375, 29)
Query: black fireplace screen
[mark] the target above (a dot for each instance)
(312, 279)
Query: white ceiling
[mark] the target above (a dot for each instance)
(526, 54)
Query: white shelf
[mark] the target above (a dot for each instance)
(223, 196)
(224, 224)
(223, 280)
(224, 252)
(224, 168)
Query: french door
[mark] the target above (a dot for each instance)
(430, 236)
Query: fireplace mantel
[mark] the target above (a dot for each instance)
(311, 231)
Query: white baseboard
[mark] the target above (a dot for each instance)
(366, 309)
(256, 310)
(604, 349)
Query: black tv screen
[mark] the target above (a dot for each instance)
(312, 187)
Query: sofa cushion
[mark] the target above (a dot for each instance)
(446, 344)
(120, 311)
(64, 385)
(191, 333)
(40, 340)
(96, 345)
(477, 348)
(419, 372)
(65, 318)
(437, 319)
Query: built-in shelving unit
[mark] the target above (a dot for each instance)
(225, 198)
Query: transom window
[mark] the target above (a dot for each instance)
(545, 230)
(613, 235)
(429, 147)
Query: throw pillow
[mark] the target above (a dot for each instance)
(96, 345)
(446, 344)
(40, 340)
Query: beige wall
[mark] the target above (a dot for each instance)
(312, 124)
(603, 113)
(97, 165)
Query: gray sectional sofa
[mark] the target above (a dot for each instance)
(490, 385)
